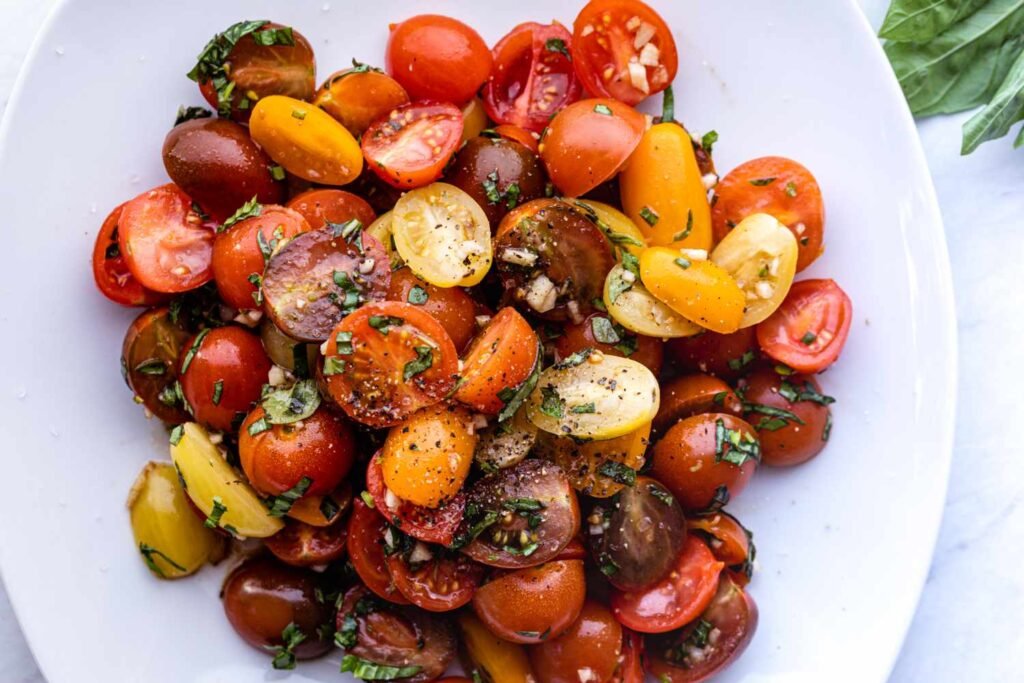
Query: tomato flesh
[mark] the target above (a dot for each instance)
(433, 525)
(809, 329)
(440, 584)
(366, 550)
(110, 270)
(410, 146)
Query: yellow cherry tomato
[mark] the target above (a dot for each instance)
(172, 540)
(694, 287)
(632, 306)
(381, 229)
(497, 660)
(617, 226)
(761, 254)
(474, 119)
(663, 191)
(426, 458)
(597, 468)
(306, 140)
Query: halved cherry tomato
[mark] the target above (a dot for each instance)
(534, 604)
(524, 137)
(358, 96)
(631, 668)
(728, 540)
(588, 142)
(410, 146)
(696, 289)
(251, 60)
(149, 361)
(693, 655)
(599, 332)
(593, 642)
(445, 582)
(320, 447)
(437, 57)
(110, 270)
(493, 658)
(597, 468)
(777, 186)
(678, 598)
(386, 361)
(320, 207)
(222, 373)
(688, 395)
(533, 76)
(366, 550)
(809, 329)
(240, 255)
(791, 415)
(474, 119)
(500, 174)
(706, 459)
(433, 525)
(451, 306)
(623, 49)
(322, 511)
(167, 246)
(722, 355)
(302, 545)
(499, 360)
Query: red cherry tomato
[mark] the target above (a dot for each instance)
(433, 525)
(437, 57)
(723, 355)
(366, 550)
(623, 49)
(410, 146)
(319, 207)
(110, 271)
(240, 255)
(452, 306)
(303, 545)
(440, 584)
(167, 245)
(677, 599)
(498, 361)
(524, 137)
(588, 142)
(631, 669)
(809, 329)
(222, 375)
(533, 76)
(386, 361)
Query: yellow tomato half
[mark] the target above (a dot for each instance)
(695, 288)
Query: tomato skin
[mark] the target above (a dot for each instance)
(729, 541)
(699, 290)
(110, 271)
(677, 599)
(437, 57)
(321, 447)
(231, 356)
(631, 669)
(410, 146)
(530, 82)
(819, 308)
(319, 207)
(167, 246)
(603, 26)
(440, 584)
(371, 388)
(153, 336)
(689, 395)
(432, 525)
(366, 550)
(501, 357)
(593, 641)
(356, 98)
(237, 254)
(584, 147)
(787, 442)
(722, 355)
(216, 163)
(685, 461)
(303, 545)
(647, 350)
(526, 138)
(487, 168)
(450, 306)
(533, 604)
(777, 186)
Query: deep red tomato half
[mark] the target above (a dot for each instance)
(433, 525)
(410, 146)
(366, 551)
(809, 329)
(440, 584)
(110, 270)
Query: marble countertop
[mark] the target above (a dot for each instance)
(968, 624)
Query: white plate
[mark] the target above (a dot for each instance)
(844, 542)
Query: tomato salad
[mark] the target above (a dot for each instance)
(472, 354)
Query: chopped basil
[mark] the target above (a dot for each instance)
(602, 109)
(618, 472)
(149, 551)
(539, 635)
(598, 303)
(827, 431)
(351, 290)
(574, 359)
(343, 343)
(329, 508)
(267, 247)
(490, 185)
(256, 280)
(193, 349)
(552, 404)
(348, 636)
(734, 446)
(661, 494)
(719, 499)
(176, 433)
(299, 114)
(424, 360)
(513, 398)
(557, 45)
(791, 189)
(631, 263)
(683, 234)
(418, 295)
(334, 366)
(351, 231)
(617, 287)
(213, 519)
(274, 36)
(584, 409)
(512, 193)
(719, 398)
(151, 366)
(276, 172)
(784, 370)
(383, 323)
(289, 405)
(284, 657)
(649, 215)
(258, 427)
(218, 391)
(743, 361)
(620, 239)
(370, 671)
(171, 395)
(280, 505)
(604, 330)
(250, 209)
(761, 182)
(793, 394)
(683, 263)
(367, 498)
(808, 338)
(211, 62)
(772, 411)
(189, 113)
(668, 105)
(708, 140)
(764, 272)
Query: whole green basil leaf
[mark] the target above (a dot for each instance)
(1005, 109)
(921, 20)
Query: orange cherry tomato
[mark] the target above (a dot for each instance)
(241, 253)
(623, 49)
(166, 244)
(524, 137)
(777, 186)
(431, 525)
(809, 329)
(110, 270)
(356, 97)
(498, 361)
(409, 146)
(698, 290)
(387, 360)
(451, 306)
(675, 600)
(588, 142)
(437, 57)
(533, 76)
(320, 207)
(689, 395)
(593, 642)
(534, 604)
(222, 372)
(366, 550)
(598, 331)
(320, 447)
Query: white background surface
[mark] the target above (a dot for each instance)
(968, 626)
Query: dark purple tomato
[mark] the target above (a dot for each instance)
(499, 174)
